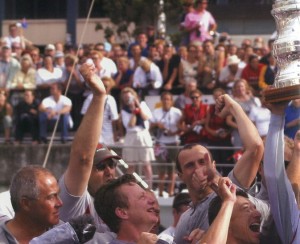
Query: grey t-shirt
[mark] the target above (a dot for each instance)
(5, 236)
(74, 206)
(197, 216)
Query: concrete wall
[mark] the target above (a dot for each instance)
(14, 157)
(42, 32)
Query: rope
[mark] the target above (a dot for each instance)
(68, 83)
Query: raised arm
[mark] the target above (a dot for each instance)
(293, 169)
(246, 168)
(218, 230)
(86, 138)
(282, 199)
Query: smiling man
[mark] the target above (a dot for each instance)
(232, 216)
(126, 208)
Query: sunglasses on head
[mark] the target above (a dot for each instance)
(110, 163)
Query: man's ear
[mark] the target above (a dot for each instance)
(179, 175)
(121, 213)
(214, 164)
(25, 204)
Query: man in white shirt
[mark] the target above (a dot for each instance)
(52, 108)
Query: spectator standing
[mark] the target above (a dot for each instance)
(200, 23)
(188, 7)
(136, 52)
(76, 88)
(268, 72)
(9, 66)
(49, 50)
(52, 108)
(169, 66)
(135, 119)
(243, 95)
(261, 115)
(109, 133)
(188, 69)
(218, 134)
(26, 113)
(181, 203)
(211, 63)
(292, 118)
(37, 61)
(142, 41)
(23, 80)
(193, 119)
(123, 78)
(166, 121)
(6, 112)
(15, 36)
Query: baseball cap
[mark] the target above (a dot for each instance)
(102, 153)
(233, 59)
(50, 47)
(59, 54)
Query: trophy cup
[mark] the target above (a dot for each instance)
(286, 50)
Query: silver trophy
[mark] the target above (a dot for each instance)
(286, 50)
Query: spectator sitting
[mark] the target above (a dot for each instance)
(6, 112)
(26, 113)
(46, 76)
(52, 108)
(230, 73)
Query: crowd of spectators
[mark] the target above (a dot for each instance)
(216, 209)
(203, 64)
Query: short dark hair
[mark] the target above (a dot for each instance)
(108, 198)
(181, 199)
(165, 93)
(188, 147)
(216, 203)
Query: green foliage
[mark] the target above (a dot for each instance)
(141, 12)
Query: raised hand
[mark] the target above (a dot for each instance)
(87, 70)
(223, 105)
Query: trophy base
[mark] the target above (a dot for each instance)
(282, 94)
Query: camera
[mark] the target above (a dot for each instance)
(131, 99)
(197, 129)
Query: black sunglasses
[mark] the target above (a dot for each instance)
(195, 97)
(101, 166)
